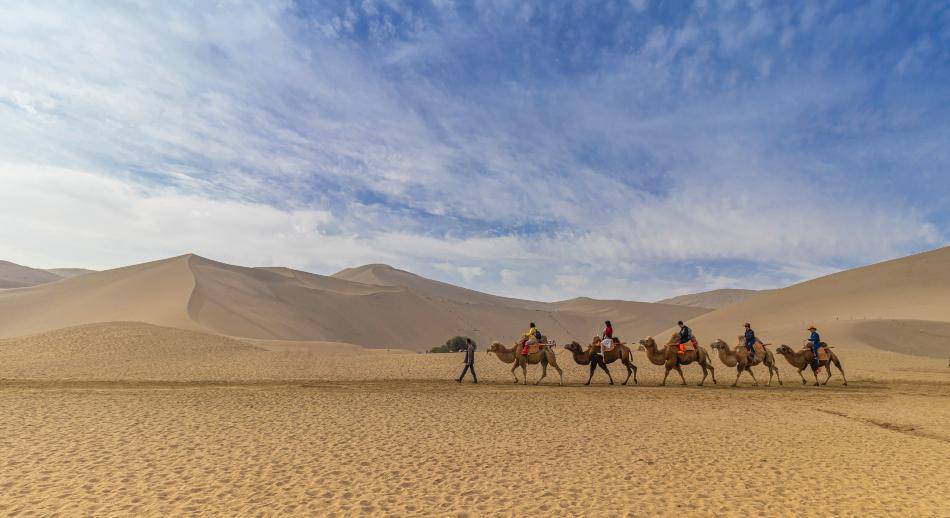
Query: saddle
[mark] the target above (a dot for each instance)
(687, 347)
(595, 346)
(824, 354)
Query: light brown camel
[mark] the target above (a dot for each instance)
(544, 356)
(620, 351)
(801, 360)
(739, 358)
(670, 358)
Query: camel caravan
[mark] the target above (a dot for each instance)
(682, 349)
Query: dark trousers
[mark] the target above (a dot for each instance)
(467, 369)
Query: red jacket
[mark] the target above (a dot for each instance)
(608, 332)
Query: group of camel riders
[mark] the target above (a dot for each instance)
(686, 337)
(532, 341)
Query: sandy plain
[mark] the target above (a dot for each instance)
(95, 425)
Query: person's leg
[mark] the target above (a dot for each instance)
(462, 375)
(474, 377)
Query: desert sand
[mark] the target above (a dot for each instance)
(134, 418)
(714, 299)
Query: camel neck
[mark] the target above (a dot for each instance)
(653, 354)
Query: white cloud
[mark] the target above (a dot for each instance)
(132, 132)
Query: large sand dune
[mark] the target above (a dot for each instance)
(900, 305)
(194, 293)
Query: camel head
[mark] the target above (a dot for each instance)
(647, 342)
(574, 347)
(719, 344)
(496, 347)
(784, 349)
(595, 340)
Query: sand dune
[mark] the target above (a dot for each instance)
(194, 293)
(711, 299)
(384, 275)
(874, 305)
(13, 275)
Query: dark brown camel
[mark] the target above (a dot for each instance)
(739, 358)
(544, 356)
(801, 360)
(669, 357)
(620, 351)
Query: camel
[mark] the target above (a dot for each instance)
(544, 356)
(620, 351)
(801, 360)
(670, 358)
(739, 358)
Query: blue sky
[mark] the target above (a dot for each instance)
(622, 149)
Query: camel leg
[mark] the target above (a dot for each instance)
(544, 372)
(712, 370)
(679, 370)
(755, 382)
(814, 373)
(629, 372)
(593, 367)
(635, 381)
(800, 371)
(524, 373)
(838, 365)
(603, 365)
(665, 375)
(738, 373)
(560, 374)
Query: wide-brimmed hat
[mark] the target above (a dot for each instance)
(812, 328)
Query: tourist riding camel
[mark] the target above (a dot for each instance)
(671, 357)
(815, 341)
(538, 352)
(529, 338)
(597, 355)
(740, 358)
(807, 357)
(685, 337)
(750, 341)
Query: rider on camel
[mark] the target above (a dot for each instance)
(750, 341)
(685, 337)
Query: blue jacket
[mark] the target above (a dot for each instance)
(814, 338)
(749, 337)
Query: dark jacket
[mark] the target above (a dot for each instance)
(814, 338)
(686, 334)
(749, 337)
(470, 354)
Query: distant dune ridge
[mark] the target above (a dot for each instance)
(900, 306)
(13, 275)
(714, 299)
(374, 306)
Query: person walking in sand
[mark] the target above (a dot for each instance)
(469, 361)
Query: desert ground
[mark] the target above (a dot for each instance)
(133, 419)
(187, 386)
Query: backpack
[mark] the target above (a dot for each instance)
(537, 334)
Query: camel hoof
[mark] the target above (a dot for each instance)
(735, 384)
(845, 384)
(817, 384)
(804, 382)
(587, 384)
